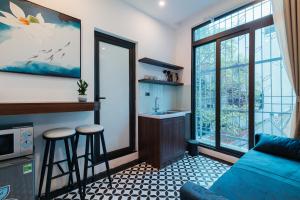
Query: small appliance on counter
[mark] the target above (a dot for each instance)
(16, 162)
(16, 141)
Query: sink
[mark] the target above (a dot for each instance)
(163, 113)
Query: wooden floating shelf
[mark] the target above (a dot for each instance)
(40, 108)
(160, 82)
(160, 64)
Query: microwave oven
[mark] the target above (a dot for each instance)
(16, 140)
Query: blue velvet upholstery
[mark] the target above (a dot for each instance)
(285, 147)
(262, 176)
(192, 191)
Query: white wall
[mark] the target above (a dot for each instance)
(153, 40)
(183, 44)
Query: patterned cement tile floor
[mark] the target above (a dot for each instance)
(144, 182)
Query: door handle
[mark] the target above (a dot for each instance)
(99, 102)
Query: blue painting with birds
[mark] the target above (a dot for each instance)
(37, 40)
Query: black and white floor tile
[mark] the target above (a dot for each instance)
(144, 182)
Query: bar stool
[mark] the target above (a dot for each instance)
(94, 135)
(51, 137)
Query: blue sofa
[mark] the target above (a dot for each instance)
(270, 171)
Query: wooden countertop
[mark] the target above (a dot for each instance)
(46, 107)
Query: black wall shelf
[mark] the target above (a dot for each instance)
(160, 82)
(160, 64)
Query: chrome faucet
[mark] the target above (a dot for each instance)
(156, 105)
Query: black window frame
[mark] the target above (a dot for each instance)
(250, 28)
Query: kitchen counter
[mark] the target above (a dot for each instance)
(165, 114)
(162, 139)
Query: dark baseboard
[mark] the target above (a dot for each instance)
(213, 158)
(101, 175)
(217, 159)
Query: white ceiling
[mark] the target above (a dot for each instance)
(175, 11)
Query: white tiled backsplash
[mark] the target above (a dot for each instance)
(167, 97)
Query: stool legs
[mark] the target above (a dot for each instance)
(92, 157)
(45, 159)
(49, 157)
(76, 140)
(75, 160)
(50, 169)
(93, 143)
(105, 158)
(86, 159)
(69, 161)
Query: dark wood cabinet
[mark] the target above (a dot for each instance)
(161, 141)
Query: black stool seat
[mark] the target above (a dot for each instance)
(51, 137)
(94, 135)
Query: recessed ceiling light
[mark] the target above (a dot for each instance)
(161, 3)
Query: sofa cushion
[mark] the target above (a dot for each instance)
(280, 146)
(260, 176)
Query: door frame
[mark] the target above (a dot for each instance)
(250, 27)
(101, 37)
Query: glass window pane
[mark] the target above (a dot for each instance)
(205, 93)
(274, 96)
(243, 16)
(234, 93)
